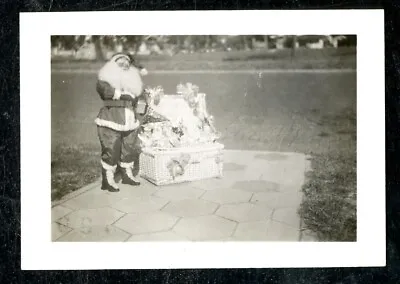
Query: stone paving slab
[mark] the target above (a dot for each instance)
(142, 204)
(146, 223)
(256, 185)
(278, 199)
(256, 200)
(59, 212)
(160, 236)
(281, 232)
(228, 195)
(205, 228)
(145, 189)
(179, 193)
(251, 231)
(287, 216)
(58, 230)
(190, 208)
(91, 217)
(265, 231)
(91, 200)
(244, 212)
(95, 234)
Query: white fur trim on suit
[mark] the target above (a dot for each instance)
(130, 122)
(117, 94)
(116, 126)
(126, 165)
(108, 167)
(118, 56)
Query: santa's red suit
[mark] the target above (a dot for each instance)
(117, 124)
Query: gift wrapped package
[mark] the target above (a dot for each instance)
(179, 140)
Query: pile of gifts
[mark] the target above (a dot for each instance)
(192, 127)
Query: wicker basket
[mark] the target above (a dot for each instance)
(205, 162)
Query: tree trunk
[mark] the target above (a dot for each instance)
(208, 41)
(294, 44)
(179, 42)
(245, 43)
(189, 42)
(266, 42)
(99, 51)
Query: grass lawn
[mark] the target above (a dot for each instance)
(330, 192)
(329, 206)
(259, 59)
(307, 113)
(72, 167)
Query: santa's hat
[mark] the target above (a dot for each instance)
(139, 66)
(131, 60)
(120, 55)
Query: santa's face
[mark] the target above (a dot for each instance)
(123, 63)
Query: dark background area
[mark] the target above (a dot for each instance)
(10, 155)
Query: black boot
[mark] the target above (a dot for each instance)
(108, 182)
(128, 178)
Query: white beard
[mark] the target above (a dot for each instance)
(124, 80)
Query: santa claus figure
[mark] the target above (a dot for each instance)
(119, 86)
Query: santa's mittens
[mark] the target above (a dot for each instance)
(143, 72)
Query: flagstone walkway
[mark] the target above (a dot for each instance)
(256, 200)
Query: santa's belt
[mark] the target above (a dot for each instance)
(110, 103)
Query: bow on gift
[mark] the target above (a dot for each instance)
(178, 165)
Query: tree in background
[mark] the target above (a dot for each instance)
(294, 46)
(266, 42)
(98, 47)
(63, 42)
(104, 45)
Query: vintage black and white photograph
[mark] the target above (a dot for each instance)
(217, 139)
(203, 138)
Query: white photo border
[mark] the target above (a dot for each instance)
(40, 253)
